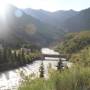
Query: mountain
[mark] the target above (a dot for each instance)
(25, 28)
(77, 47)
(68, 21)
(78, 22)
(75, 42)
(51, 18)
(41, 27)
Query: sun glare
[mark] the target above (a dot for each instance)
(3, 8)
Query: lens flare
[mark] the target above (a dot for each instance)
(3, 8)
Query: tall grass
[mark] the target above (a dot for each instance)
(70, 79)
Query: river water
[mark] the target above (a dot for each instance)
(10, 80)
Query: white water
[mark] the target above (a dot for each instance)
(11, 79)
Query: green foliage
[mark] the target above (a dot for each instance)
(78, 46)
(71, 79)
(29, 29)
(13, 58)
(41, 70)
(59, 66)
(32, 47)
(37, 84)
(75, 42)
(82, 57)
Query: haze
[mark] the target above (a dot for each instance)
(50, 5)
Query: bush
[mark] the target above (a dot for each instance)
(73, 79)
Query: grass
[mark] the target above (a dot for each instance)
(77, 78)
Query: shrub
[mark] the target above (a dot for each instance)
(74, 79)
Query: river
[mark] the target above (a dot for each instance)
(11, 79)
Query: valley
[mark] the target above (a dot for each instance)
(43, 50)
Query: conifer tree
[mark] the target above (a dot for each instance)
(1, 61)
(5, 57)
(9, 54)
(41, 70)
(60, 65)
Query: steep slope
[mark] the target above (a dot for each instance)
(75, 42)
(41, 27)
(69, 21)
(77, 46)
(28, 29)
(61, 16)
(78, 22)
(52, 18)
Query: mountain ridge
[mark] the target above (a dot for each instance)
(67, 20)
(42, 27)
(28, 29)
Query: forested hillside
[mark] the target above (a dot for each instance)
(74, 42)
(20, 27)
(31, 26)
(68, 21)
(52, 18)
(79, 22)
(77, 45)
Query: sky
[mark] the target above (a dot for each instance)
(50, 5)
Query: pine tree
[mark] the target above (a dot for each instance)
(60, 65)
(19, 59)
(15, 58)
(41, 70)
(1, 61)
(9, 54)
(5, 57)
(23, 57)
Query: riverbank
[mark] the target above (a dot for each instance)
(32, 68)
(16, 75)
(76, 78)
(12, 59)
